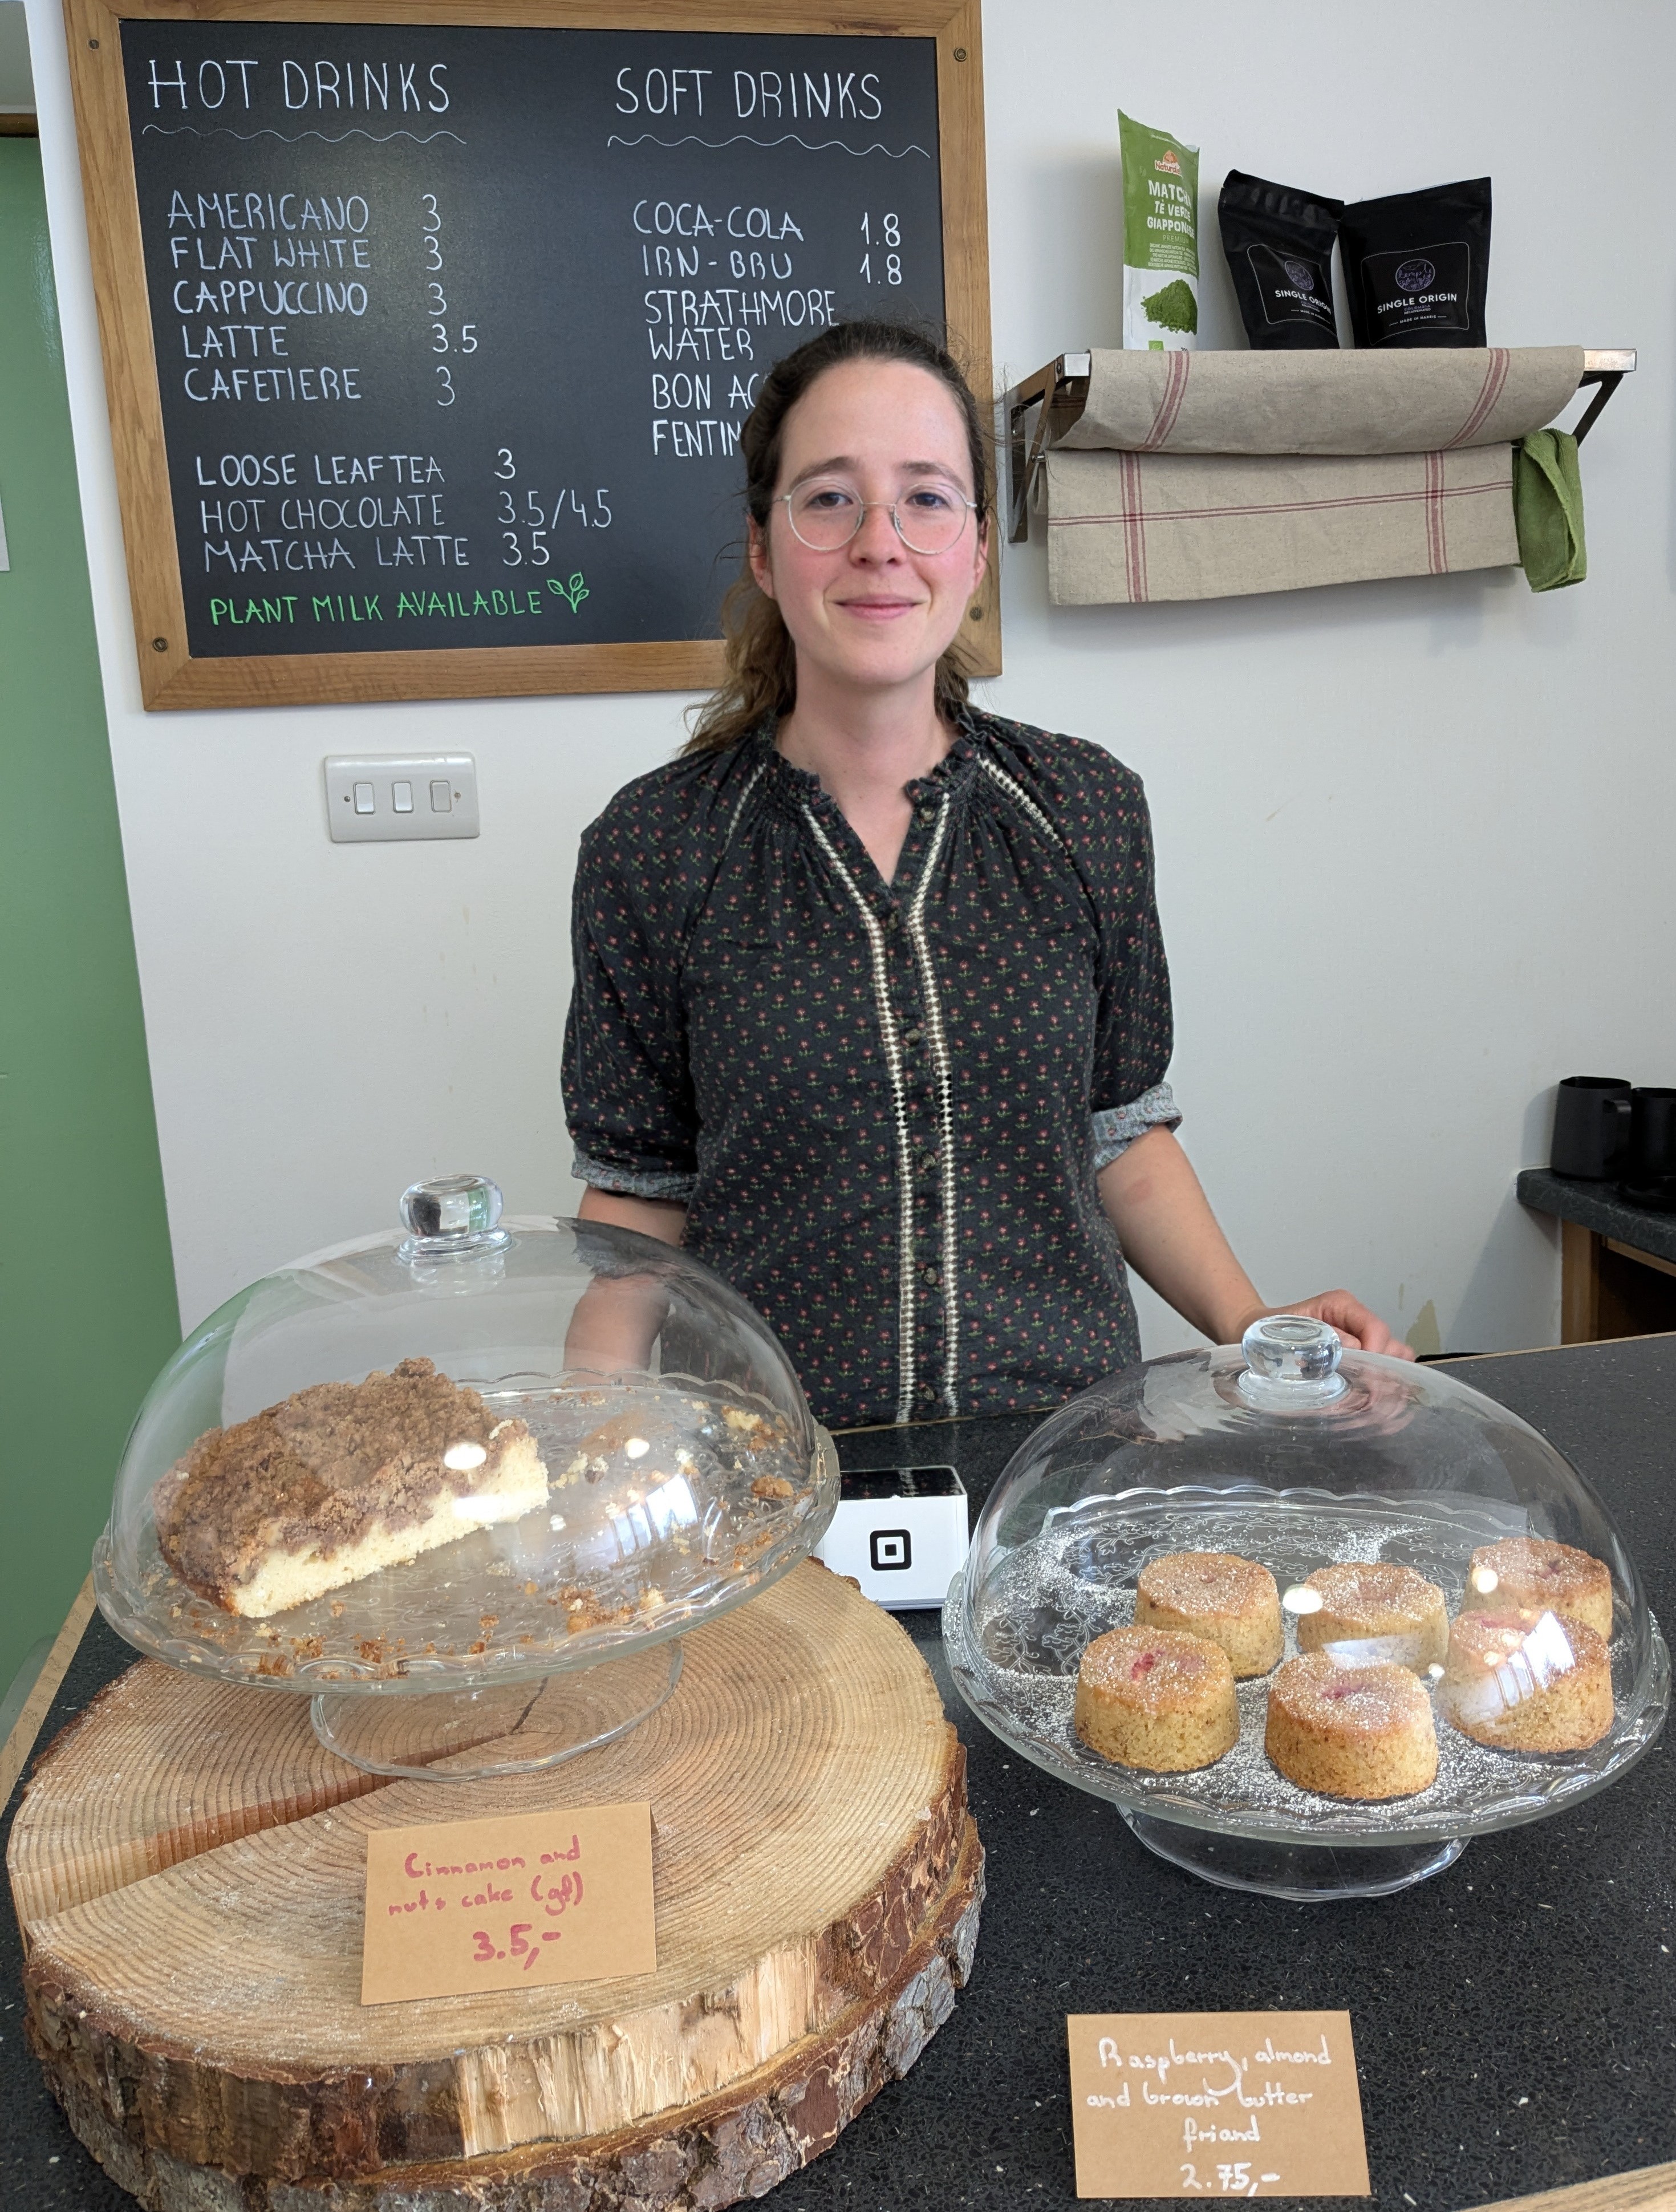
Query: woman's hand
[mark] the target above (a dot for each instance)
(1361, 1329)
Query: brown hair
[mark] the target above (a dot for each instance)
(762, 662)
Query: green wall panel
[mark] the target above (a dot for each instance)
(87, 1311)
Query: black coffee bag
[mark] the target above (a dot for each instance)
(1416, 266)
(1279, 248)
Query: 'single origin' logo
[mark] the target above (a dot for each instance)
(1415, 275)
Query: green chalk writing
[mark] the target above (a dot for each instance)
(455, 604)
(575, 590)
(282, 609)
(345, 607)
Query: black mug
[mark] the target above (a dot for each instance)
(1591, 1126)
(1652, 1134)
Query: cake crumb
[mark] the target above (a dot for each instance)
(752, 1428)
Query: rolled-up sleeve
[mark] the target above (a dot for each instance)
(1116, 1127)
(628, 1089)
(1135, 1032)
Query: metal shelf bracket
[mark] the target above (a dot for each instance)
(1608, 370)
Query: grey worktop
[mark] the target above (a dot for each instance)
(1513, 2016)
(1597, 1206)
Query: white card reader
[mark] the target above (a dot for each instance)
(902, 1531)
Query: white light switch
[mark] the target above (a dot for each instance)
(370, 797)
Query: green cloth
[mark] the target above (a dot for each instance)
(1548, 510)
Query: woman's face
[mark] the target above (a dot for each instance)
(872, 614)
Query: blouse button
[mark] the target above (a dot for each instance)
(911, 1036)
(931, 1276)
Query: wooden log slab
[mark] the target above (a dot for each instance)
(188, 1870)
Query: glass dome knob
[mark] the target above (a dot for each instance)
(452, 1215)
(1290, 1360)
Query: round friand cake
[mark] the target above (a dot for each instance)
(1378, 1604)
(1151, 1698)
(1526, 1681)
(1532, 1574)
(1362, 1732)
(1220, 1596)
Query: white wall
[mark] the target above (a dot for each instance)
(1414, 838)
(18, 94)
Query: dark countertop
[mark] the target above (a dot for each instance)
(1597, 1206)
(1513, 2016)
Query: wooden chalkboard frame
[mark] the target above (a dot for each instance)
(170, 677)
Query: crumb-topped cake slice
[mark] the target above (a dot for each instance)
(340, 1481)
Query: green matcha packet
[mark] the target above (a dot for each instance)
(1160, 239)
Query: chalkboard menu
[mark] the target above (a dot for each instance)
(448, 330)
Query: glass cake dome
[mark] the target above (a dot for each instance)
(409, 1472)
(1290, 1454)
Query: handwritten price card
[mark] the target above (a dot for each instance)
(501, 1903)
(1215, 2104)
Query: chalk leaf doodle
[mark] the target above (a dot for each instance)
(575, 590)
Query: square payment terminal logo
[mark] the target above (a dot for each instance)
(891, 1549)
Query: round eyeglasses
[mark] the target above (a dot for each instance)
(825, 515)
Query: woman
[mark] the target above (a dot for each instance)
(870, 1006)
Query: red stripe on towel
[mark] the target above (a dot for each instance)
(1495, 377)
(1437, 552)
(1134, 529)
(1176, 366)
(1130, 515)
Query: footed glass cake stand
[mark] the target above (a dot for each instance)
(1282, 1452)
(600, 1703)
(683, 1475)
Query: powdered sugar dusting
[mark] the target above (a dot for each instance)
(1152, 1670)
(1016, 1664)
(1208, 1582)
(1375, 1593)
(1364, 1698)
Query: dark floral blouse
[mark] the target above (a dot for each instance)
(884, 1105)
